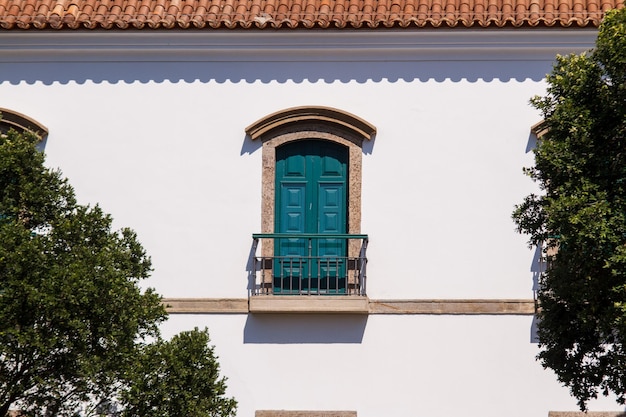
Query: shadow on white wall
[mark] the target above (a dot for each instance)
(304, 328)
(266, 72)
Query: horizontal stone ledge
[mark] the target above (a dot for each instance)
(206, 305)
(468, 306)
(288, 413)
(354, 305)
(586, 414)
(309, 304)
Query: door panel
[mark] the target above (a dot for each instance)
(294, 210)
(295, 166)
(292, 220)
(331, 167)
(331, 220)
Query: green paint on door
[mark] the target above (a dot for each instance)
(311, 197)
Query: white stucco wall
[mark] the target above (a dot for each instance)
(170, 160)
(157, 139)
(398, 366)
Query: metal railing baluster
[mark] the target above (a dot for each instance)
(319, 274)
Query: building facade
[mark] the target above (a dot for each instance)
(326, 186)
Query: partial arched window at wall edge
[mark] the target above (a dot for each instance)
(10, 119)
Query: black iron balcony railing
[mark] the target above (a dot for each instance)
(310, 264)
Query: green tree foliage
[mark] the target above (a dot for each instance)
(71, 310)
(74, 323)
(178, 378)
(580, 164)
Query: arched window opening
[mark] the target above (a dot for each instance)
(311, 202)
(10, 119)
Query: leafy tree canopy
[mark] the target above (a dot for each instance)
(77, 333)
(580, 164)
(179, 377)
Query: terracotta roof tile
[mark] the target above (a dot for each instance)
(292, 14)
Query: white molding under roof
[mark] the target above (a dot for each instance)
(296, 46)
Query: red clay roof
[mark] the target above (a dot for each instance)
(285, 14)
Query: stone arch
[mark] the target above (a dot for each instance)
(10, 119)
(311, 123)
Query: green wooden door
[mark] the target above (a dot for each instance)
(311, 197)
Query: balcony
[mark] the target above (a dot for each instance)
(309, 273)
